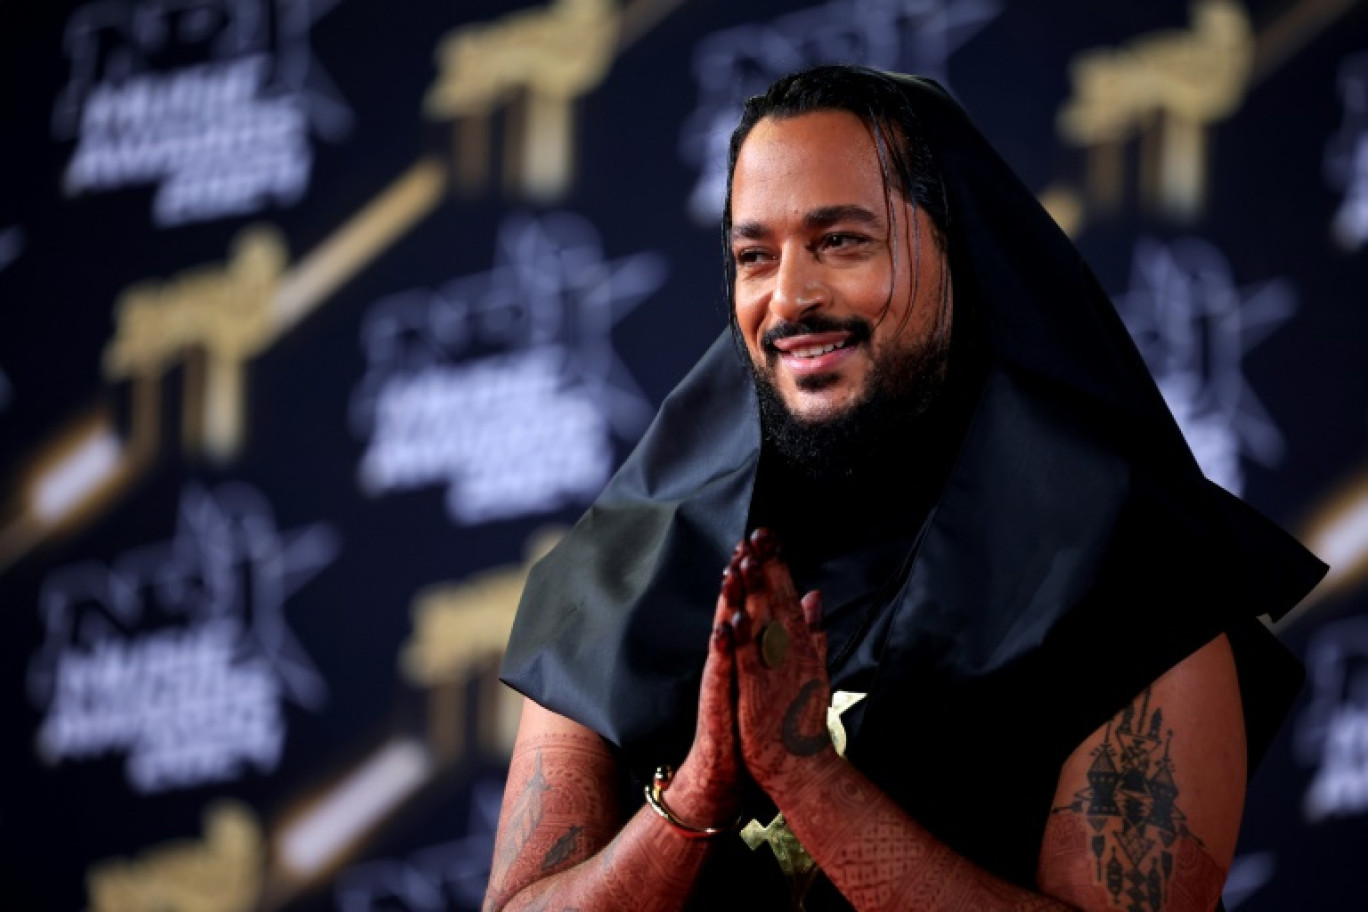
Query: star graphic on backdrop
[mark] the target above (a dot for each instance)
(225, 561)
(231, 534)
(1194, 326)
(551, 286)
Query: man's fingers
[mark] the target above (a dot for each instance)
(764, 543)
(759, 591)
(723, 660)
(733, 596)
(717, 703)
(782, 598)
(812, 610)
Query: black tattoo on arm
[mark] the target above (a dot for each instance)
(798, 743)
(1136, 833)
(561, 849)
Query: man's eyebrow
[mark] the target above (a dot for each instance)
(749, 231)
(821, 217)
(830, 215)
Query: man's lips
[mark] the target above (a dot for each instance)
(815, 353)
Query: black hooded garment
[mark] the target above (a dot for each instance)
(1071, 553)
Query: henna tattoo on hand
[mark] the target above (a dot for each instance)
(798, 743)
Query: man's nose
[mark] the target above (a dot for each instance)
(798, 286)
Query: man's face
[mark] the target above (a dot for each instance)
(836, 304)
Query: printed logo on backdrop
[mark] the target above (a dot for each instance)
(1193, 326)
(531, 65)
(1346, 155)
(916, 36)
(177, 654)
(504, 386)
(1162, 91)
(1331, 734)
(211, 101)
(453, 875)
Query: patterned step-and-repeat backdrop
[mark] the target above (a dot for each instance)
(320, 319)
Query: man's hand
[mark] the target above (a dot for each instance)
(707, 790)
(783, 689)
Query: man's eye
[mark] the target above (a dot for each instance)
(748, 257)
(838, 241)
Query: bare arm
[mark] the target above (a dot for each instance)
(880, 858)
(562, 842)
(559, 845)
(1148, 809)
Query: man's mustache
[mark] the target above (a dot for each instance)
(859, 329)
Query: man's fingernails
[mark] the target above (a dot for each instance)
(732, 589)
(812, 609)
(765, 543)
(740, 625)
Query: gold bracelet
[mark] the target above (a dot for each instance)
(655, 797)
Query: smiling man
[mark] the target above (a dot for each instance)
(1026, 671)
(840, 292)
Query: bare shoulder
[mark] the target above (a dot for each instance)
(560, 802)
(540, 730)
(1147, 810)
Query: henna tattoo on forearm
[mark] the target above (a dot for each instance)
(880, 858)
(560, 847)
(645, 868)
(523, 819)
(545, 828)
(795, 740)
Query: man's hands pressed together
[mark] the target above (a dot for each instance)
(707, 790)
(782, 686)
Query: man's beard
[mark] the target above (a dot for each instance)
(903, 384)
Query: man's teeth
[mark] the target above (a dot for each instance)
(812, 351)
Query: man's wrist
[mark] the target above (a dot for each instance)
(655, 799)
(798, 777)
(699, 801)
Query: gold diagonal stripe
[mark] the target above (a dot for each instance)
(1337, 533)
(639, 17)
(301, 290)
(1283, 38)
(360, 240)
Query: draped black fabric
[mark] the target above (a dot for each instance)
(1073, 553)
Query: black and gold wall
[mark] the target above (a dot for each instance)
(320, 319)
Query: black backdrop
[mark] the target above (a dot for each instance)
(320, 318)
